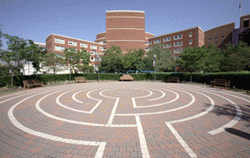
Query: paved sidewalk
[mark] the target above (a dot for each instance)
(125, 119)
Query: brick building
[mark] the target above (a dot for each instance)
(177, 41)
(126, 28)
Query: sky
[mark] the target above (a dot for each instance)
(37, 19)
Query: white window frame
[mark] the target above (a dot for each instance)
(167, 45)
(58, 48)
(190, 34)
(190, 42)
(146, 42)
(73, 43)
(176, 44)
(57, 40)
(92, 59)
(150, 42)
(178, 50)
(100, 48)
(176, 37)
(92, 52)
(157, 41)
(93, 47)
(168, 39)
(84, 45)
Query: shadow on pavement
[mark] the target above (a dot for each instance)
(230, 110)
(238, 133)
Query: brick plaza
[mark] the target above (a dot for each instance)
(125, 119)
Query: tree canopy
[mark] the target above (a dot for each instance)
(164, 58)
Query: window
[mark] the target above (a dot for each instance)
(83, 45)
(176, 37)
(209, 39)
(215, 37)
(146, 42)
(101, 48)
(190, 34)
(215, 42)
(150, 42)
(179, 50)
(59, 41)
(93, 53)
(104, 42)
(167, 39)
(93, 47)
(92, 59)
(190, 41)
(167, 45)
(246, 23)
(72, 43)
(222, 36)
(146, 48)
(157, 41)
(104, 48)
(58, 48)
(178, 44)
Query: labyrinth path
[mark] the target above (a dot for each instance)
(125, 119)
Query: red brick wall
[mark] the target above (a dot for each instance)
(118, 36)
(51, 46)
(223, 30)
(185, 39)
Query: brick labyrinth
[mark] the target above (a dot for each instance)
(125, 119)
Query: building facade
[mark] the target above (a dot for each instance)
(177, 41)
(126, 29)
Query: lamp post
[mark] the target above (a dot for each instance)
(98, 65)
(154, 64)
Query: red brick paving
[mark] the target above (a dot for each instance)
(124, 141)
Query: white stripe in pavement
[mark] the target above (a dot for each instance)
(114, 108)
(228, 125)
(166, 111)
(143, 143)
(76, 110)
(14, 121)
(231, 95)
(113, 112)
(163, 95)
(59, 118)
(231, 123)
(154, 105)
(150, 93)
(198, 115)
(20, 96)
(181, 141)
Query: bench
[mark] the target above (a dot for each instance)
(80, 79)
(173, 79)
(28, 83)
(221, 82)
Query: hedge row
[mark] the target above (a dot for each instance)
(238, 79)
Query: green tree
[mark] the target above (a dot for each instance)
(53, 61)
(236, 57)
(164, 58)
(20, 52)
(197, 59)
(112, 60)
(82, 60)
(133, 60)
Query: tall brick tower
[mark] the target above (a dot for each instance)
(126, 29)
